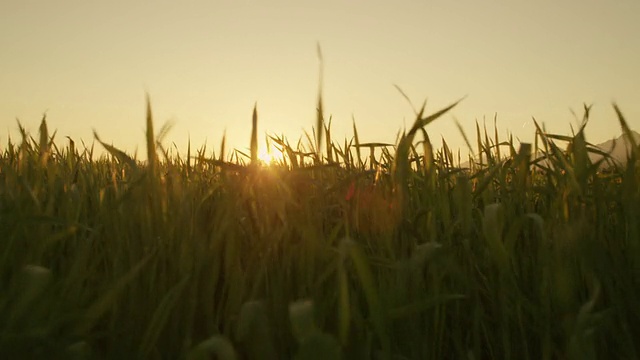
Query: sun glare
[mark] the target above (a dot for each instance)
(270, 157)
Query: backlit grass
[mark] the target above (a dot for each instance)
(335, 250)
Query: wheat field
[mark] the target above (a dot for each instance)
(338, 249)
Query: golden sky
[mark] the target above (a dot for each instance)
(88, 65)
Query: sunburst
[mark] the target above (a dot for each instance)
(271, 157)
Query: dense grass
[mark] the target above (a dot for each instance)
(533, 253)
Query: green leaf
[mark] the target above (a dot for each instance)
(160, 317)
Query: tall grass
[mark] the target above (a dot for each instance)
(530, 253)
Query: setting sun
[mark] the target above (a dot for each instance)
(271, 156)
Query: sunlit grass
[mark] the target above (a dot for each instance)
(271, 156)
(345, 249)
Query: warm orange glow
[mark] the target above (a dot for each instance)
(99, 65)
(271, 156)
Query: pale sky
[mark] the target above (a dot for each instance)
(88, 65)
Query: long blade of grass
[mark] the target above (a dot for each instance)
(44, 141)
(151, 143)
(319, 109)
(254, 136)
(120, 155)
(102, 305)
(160, 318)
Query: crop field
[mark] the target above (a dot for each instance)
(340, 249)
